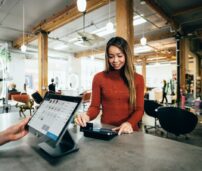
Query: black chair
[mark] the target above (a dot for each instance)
(176, 120)
(86, 98)
(150, 107)
(37, 97)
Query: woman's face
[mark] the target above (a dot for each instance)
(116, 57)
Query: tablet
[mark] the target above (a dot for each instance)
(53, 116)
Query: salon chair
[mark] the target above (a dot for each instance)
(176, 120)
(150, 107)
(86, 97)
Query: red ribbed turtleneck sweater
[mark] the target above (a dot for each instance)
(110, 91)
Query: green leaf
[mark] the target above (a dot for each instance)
(5, 54)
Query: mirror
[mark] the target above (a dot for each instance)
(5, 57)
(73, 82)
(1, 78)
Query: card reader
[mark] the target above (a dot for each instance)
(98, 133)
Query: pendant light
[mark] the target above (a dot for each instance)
(23, 47)
(142, 2)
(109, 25)
(143, 40)
(81, 5)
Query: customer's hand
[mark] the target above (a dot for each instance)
(14, 132)
(82, 119)
(124, 128)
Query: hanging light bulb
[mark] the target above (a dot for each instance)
(81, 5)
(142, 2)
(157, 64)
(143, 41)
(23, 47)
(109, 25)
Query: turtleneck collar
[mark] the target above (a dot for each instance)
(115, 73)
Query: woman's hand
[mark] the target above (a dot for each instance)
(82, 119)
(125, 128)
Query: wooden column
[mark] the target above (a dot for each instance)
(200, 74)
(43, 62)
(124, 21)
(144, 70)
(144, 62)
(183, 63)
(178, 69)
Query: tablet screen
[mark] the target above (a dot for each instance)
(53, 116)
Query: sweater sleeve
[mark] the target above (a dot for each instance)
(94, 108)
(136, 116)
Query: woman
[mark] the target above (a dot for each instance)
(119, 89)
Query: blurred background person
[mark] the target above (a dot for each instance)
(51, 86)
(164, 91)
(12, 88)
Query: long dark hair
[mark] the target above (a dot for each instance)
(128, 70)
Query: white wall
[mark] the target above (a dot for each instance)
(17, 70)
(31, 74)
(156, 73)
(58, 69)
(22, 68)
(89, 67)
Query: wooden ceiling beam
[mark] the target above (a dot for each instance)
(147, 56)
(155, 54)
(27, 39)
(168, 56)
(61, 18)
(102, 50)
(155, 61)
(154, 37)
(90, 52)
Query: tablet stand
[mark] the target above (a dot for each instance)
(65, 146)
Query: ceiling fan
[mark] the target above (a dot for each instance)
(87, 39)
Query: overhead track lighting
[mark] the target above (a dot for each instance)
(81, 5)
(23, 47)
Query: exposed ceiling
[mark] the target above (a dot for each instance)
(11, 15)
(185, 15)
(164, 20)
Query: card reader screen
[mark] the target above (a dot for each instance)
(52, 116)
